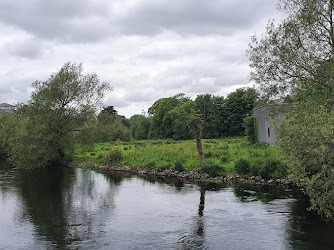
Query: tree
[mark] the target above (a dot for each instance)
(12, 126)
(186, 113)
(140, 126)
(111, 127)
(162, 123)
(61, 110)
(297, 57)
(213, 115)
(289, 54)
(237, 105)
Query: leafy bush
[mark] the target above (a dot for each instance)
(178, 166)
(114, 156)
(272, 168)
(251, 129)
(242, 166)
(212, 169)
(150, 164)
(224, 158)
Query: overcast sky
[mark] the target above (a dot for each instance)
(146, 49)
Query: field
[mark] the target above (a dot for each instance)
(222, 156)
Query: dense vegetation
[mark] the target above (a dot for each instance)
(63, 112)
(297, 57)
(222, 156)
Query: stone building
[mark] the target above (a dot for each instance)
(5, 107)
(268, 116)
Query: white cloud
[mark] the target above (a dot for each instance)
(145, 49)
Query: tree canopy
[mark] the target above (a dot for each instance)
(299, 51)
(296, 56)
(61, 109)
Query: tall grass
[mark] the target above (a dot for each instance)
(221, 155)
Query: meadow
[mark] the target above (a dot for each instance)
(226, 156)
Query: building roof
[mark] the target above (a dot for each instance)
(5, 105)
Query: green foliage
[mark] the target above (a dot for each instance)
(242, 166)
(178, 166)
(308, 146)
(11, 127)
(182, 155)
(59, 115)
(113, 156)
(213, 113)
(162, 122)
(110, 126)
(212, 169)
(251, 129)
(273, 169)
(140, 126)
(224, 117)
(297, 56)
(289, 54)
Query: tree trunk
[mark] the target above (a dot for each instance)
(200, 149)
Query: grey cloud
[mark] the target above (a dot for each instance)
(28, 48)
(193, 16)
(69, 21)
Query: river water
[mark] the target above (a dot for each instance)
(68, 208)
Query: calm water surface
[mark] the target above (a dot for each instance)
(70, 208)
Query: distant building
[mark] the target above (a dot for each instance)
(5, 107)
(268, 116)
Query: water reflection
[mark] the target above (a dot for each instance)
(76, 208)
(62, 204)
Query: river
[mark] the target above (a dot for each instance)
(73, 208)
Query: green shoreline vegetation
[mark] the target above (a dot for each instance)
(222, 156)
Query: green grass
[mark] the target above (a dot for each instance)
(221, 155)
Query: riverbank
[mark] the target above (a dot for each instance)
(191, 176)
(223, 157)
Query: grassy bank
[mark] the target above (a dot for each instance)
(222, 156)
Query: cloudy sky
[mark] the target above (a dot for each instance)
(146, 49)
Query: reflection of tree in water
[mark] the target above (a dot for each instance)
(63, 203)
(305, 229)
(196, 239)
(265, 193)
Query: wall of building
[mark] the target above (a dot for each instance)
(266, 125)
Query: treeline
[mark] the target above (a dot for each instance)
(221, 117)
(64, 112)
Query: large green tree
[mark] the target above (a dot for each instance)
(60, 114)
(296, 56)
(187, 114)
(140, 126)
(213, 114)
(110, 126)
(163, 124)
(237, 105)
(299, 51)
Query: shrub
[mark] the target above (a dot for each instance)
(150, 164)
(242, 166)
(255, 169)
(212, 169)
(251, 129)
(114, 156)
(273, 168)
(224, 158)
(178, 166)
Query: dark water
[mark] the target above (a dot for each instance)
(81, 209)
